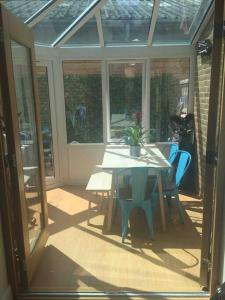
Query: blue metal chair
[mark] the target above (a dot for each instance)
(137, 198)
(173, 148)
(172, 181)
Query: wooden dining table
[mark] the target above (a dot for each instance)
(118, 157)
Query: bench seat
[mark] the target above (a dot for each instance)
(100, 181)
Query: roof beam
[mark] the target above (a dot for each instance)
(42, 12)
(100, 30)
(153, 21)
(79, 22)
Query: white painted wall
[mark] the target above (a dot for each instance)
(5, 291)
(81, 161)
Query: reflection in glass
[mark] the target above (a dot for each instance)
(24, 9)
(169, 94)
(83, 101)
(125, 87)
(178, 20)
(61, 17)
(86, 35)
(126, 22)
(45, 115)
(28, 139)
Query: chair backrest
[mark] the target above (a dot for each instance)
(173, 152)
(138, 181)
(139, 177)
(169, 150)
(184, 160)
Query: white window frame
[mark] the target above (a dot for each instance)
(113, 54)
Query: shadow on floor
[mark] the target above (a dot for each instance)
(58, 272)
(63, 272)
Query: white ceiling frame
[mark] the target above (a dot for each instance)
(153, 21)
(100, 30)
(42, 12)
(79, 22)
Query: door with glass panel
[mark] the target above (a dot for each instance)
(21, 110)
(125, 83)
(44, 75)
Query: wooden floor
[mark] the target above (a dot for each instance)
(86, 258)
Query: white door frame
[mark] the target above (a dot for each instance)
(52, 181)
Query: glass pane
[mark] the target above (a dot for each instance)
(126, 22)
(28, 140)
(125, 88)
(61, 17)
(179, 20)
(83, 101)
(46, 125)
(24, 9)
(86, 35)
(168, 94)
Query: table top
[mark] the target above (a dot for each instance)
(119, 158)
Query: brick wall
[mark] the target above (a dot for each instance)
(201, 106)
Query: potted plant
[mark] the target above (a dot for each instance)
(134, 136)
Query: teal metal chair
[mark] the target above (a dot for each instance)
(171, 182)
(173, 148)
(135, 197)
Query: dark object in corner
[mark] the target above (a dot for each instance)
(204, 48)
(182, 131)
(220, 293)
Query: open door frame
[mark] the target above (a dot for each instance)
(13, 29)
(214, 178)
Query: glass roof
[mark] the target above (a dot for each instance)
(60, 18)
(24, 9)
(178, 20)
(120, 22)
(86, 35)
(126, 22)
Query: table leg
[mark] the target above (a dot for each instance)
(161, 201)
(110, 210)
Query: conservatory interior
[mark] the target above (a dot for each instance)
(112, 75)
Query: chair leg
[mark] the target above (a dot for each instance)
(89, 211)
(148, 214)
(180, 209)
(169, 205)
(125, 219)
(101, 201)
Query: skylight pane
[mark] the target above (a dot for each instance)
(126, 21)
(24, 9)
(86, 35)
(178, 20)
(61, 17)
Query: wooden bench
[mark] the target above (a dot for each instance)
(99, 182)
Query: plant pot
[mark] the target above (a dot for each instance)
(135, 150)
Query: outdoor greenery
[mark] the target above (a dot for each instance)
(83, 101)
(125, 98)
(165, 93)
(126, 94)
